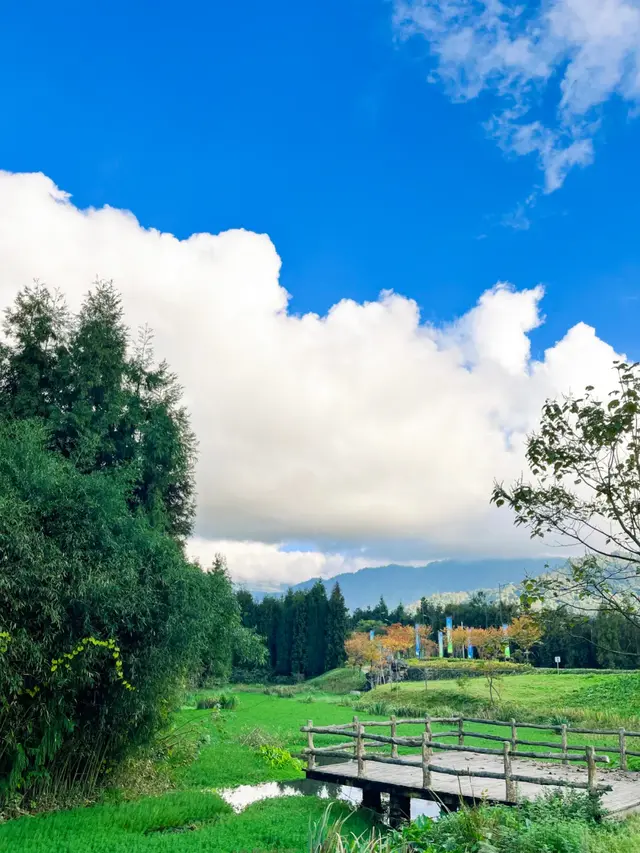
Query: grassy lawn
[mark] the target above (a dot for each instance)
(193, 817)
(587, 701)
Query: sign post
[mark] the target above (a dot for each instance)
(557, 659)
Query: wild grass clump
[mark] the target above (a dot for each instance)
(223, 702)
(257, 737)
(328, 836)
(206, 703)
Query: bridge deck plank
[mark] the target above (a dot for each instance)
(623, 800)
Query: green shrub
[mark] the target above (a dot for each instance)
(279, 758)
(227, 701)
(207, 702)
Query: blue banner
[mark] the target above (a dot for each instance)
(469, 646)
(440, 644)
(449, 636)
(417, 629)
(372, 634)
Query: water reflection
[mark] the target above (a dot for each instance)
(244, 795)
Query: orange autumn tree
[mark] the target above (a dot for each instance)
(489, 642)
(459, 638)
(526, 632)
(398, 639)
(427, 647)
(361, 650)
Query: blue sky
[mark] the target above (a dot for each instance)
(316, 124)
(312, 123)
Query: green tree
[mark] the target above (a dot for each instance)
(381, 612)
(317, 610)
(102, 614)
(585, 461)
(299, 635)
(337, 630)
(284, 640)
(104, 409)
(75, 563)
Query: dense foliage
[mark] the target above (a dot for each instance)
(101, 614)
(304, 632)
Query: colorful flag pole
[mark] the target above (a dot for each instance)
(449, 635)
(469, 646)
(507, 650)
(417, 629)
(440, 644)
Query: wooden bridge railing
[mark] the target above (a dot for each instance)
(427, 745)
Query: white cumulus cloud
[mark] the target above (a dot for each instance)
(577, 54)
(361, 428)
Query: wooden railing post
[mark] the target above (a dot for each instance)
(311, 759)
(623, 750)
(356, 723)
(591, 769)
(360, 749)
(564, 744)
(394, 746)
(427, 728)
(427, 752)
(511, 793)
(514, 736)
(460, 731)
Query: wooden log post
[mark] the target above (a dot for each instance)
(371, 800)
(356, 722)
(591, 769)
(360, 749)
(311, 759)
(399, 809)
(511, 794)
(460, 731)
(564, 744)
(623, 749)
(427, 754)
(394, 746)
(514, 736)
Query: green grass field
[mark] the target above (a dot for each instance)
(193, 817)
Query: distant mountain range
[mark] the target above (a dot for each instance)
(407, 584)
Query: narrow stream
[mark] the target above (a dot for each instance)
(244, 795)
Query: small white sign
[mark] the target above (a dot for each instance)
(557, 659)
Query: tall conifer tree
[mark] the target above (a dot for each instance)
(337, 629)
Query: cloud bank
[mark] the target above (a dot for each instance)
(364, 428)
(575, 54)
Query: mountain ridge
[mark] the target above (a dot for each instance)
(398, 583)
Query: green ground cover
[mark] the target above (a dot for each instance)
(192, 817)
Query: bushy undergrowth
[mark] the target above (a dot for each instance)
(555, 823)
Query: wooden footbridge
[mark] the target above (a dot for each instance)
(463, 773)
